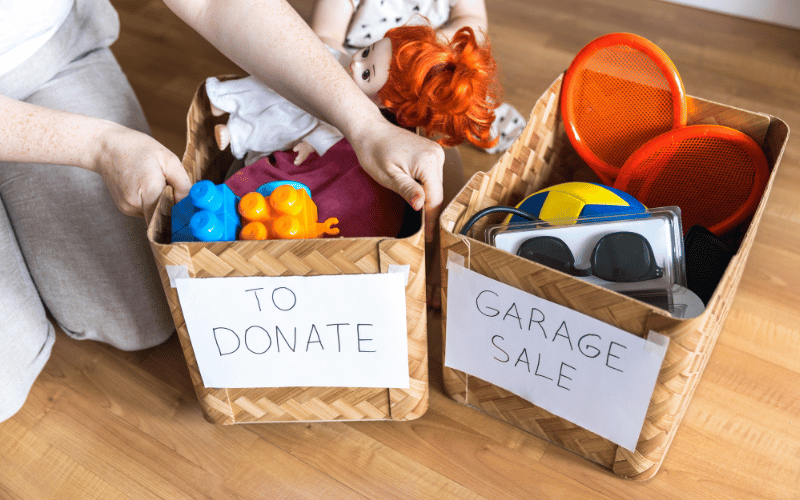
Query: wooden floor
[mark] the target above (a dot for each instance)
(103, 424)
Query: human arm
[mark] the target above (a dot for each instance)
(134, 166)
(399, 160)
(294, 63)
(330, 19)
(470, 13)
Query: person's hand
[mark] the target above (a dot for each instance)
(406, 163)
(136, 168)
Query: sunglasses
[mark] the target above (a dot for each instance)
(622, 257)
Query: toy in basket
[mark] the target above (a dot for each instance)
(402, 72)
(541, 157)
(620, 91)
(211, 213)
(573, 200)
(286, 213)
(208, 213)
(625, 111)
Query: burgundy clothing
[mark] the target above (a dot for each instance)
(339, 187)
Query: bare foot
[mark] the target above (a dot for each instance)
(216, 111)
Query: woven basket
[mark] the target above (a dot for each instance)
(333, 256)
(543, 156)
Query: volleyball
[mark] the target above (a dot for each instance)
(571, 200)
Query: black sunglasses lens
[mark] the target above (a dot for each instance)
(548, 251)
(624, 257)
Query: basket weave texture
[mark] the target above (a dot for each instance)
(543, 156)
(333, 256)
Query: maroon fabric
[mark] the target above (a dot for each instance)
(339, 187)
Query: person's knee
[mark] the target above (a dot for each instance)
(133, 333)
(19, 370)
(140, 342)
(12, 398)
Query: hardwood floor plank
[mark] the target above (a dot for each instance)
(153, 454)
(32, 467)
(269, 472)
(134, 445)
(370, 468)
(490, 468)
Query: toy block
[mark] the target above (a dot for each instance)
(286, 213)
(208, 213)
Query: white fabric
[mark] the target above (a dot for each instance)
(508, 124)
(25, 26)
(373, 18)
(262, 121)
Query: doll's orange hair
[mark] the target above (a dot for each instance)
(450, 90)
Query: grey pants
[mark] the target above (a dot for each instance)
(64, 246)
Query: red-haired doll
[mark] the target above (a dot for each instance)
(350, 25)
(448, 90)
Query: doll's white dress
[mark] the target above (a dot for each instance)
(261, 121)
(373, 18)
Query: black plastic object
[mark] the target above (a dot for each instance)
(622, 257)
(707, 257)
(551, 252)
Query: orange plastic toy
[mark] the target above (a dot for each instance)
(287, 213)
(620, 91)
(714, 173)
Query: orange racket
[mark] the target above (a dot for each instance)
(620, 91)
(715, 174)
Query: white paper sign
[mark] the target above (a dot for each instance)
(594, 375)
(296, 331)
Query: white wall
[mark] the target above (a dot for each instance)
(784, 12)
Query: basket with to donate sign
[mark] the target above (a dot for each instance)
(324, 329)
(599, 373)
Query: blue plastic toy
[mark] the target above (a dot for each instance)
(207, 214)
(266, 189)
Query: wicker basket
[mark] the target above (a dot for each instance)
(334, 256)
(543, 156)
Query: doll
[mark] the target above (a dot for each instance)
(261, 121)
(350, 25)
(449, 90)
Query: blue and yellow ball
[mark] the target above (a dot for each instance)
(571, 200)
